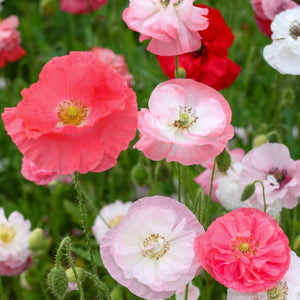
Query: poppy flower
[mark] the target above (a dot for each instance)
(187, 122)
(245, 250)
(80, 6)
(172, 25)
(10, 40)
(77, 117)
(209, 64)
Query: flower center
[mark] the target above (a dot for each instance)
(279, 292)
(155, 246)
(186, 118)
(165, 3)
(7, 233)
(115, 221)
(71, 113)
(295, 30)
(243, 245)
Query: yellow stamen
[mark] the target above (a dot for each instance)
(7, 233)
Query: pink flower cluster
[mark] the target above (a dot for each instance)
(81, 6)
(10, 40)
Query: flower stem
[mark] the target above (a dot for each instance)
(179, 181)
(176, 67)
(186, 294)
(2, 294)
(210, 191)
(84, 222)
(264, 196)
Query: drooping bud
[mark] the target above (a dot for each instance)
(181, 73)
(223, 161)
(248, 191)
(58, 282)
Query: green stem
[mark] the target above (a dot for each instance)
(84, 222)
(100, 284)
(210, 190)
(176, 67)
(78, 282)
(179, 181)
(2, 294)
(60, 250)
(186, 294)
(264, 196)
(274, 132)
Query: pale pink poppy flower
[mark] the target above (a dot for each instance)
(80, 6)
(288, 288)
(266, 10)
(88, 117)
(226, 185)
(33, 173)
(10, 40)
(151, 250)
(172, 25)
(187, 121)
(245, 250)
(109, 216)
(116, 61)
(271, 163)
(15, 255)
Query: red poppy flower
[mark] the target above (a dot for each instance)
(210, 64)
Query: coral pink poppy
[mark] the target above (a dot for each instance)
(80, 6)
(245, 250)
(87, 116)
(172, 25)
(226, 185)
(116, 61)
(187, 122)
(39, 176)
(271, 163)
(210, 63)
(150, 251)
(288, 288)
(15, 255)
(266, 10)
(10, 40)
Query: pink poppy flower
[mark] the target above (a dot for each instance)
(245, 250)
(15, 255)
(87, 117)
(151, 250)
(172, 25)
(266, 10)
(116, 61)
(80, 6)
(288, 288)
(271, 163)
(187, 122)
(226, 185)
(10, 40)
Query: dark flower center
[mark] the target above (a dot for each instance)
(295, 30)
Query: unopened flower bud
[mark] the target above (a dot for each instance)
(36, 239)
(47, 7)
(259, 140)
(248, 191)
(58, 282)
(297, 243)
(181, 73)
(223, 161)
(139, 174)
(71, 276)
